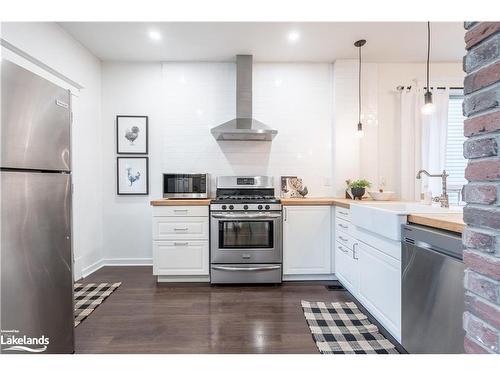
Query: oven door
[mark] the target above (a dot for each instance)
(244, 237)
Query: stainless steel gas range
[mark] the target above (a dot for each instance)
(246, 243)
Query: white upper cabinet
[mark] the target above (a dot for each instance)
(307, 240)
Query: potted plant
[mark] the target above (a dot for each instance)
(358, 187)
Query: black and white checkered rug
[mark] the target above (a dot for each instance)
(89, 296)
(341, 328)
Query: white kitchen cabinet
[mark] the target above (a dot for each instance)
(180, 243)
(346, 267)
(369, 266)
(379, 286)
(180, 258)
(307, 241)
(177, 228)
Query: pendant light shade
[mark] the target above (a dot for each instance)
(428, 107)
(360, 133)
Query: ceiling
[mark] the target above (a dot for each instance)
(269, 41)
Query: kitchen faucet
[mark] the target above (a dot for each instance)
(443, 198)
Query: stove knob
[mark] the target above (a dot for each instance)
(224, 206)
(245, 207)
(231, 206)
(260, 207)
(267, 207)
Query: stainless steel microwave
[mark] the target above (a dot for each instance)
(195, 185)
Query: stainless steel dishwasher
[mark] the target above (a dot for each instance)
(432, 275)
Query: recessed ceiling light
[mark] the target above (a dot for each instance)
(293, 36)
(154, 35)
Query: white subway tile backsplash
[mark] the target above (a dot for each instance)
(295, 99)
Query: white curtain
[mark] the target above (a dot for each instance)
(423, 141)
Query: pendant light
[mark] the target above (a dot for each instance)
(428, 107)
(360, 43)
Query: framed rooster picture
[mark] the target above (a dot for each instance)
(132, 175)
(131, 134)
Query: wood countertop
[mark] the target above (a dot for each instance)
(453, 222)
(180, 202)
(341, 202)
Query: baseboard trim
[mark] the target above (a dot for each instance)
(87, 271)
(321, 277)
(128, 262)
(92, 268)
(183, 279)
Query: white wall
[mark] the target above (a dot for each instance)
(130, 89)
(389, 77)
(376, 156)
(185, 100)
(56, 49)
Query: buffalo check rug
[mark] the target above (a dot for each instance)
(341, 328)
(89, 296)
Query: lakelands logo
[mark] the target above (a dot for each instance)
(12, 340)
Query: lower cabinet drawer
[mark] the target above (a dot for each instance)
(245, 273)
(342, 226)
(346, 268)
(344, 239)
(180, 257)
(177, 211)
(174, 228)
(343, 213)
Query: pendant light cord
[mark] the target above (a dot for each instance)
(428, 51)
(359, 87)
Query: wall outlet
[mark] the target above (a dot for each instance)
(327, 181)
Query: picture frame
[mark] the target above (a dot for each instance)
(132, 134)
(132, 175)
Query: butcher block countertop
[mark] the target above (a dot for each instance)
(181, 202)
(341, 202)
(453, 221)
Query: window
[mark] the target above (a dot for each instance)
(455, 161)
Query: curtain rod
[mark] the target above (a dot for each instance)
(399, 88)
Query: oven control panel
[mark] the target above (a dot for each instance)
(246, 207)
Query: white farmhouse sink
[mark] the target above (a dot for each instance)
(385, 218)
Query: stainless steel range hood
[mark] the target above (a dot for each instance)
(244, 127)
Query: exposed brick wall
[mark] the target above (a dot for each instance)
(482, 194)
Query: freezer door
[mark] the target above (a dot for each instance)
(37, 281)
(35, 121)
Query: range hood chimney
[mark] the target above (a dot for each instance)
(244, 127)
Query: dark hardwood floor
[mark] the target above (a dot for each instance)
(142, 316)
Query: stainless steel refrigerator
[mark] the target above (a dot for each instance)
(36, 254)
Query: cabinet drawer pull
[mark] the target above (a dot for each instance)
(343, 239)
(343, 226)
(181, 243)
(343, 213)
(341, 249)
(181, 210)
(181, 228)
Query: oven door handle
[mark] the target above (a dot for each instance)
(246, 216)
(228, 268)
